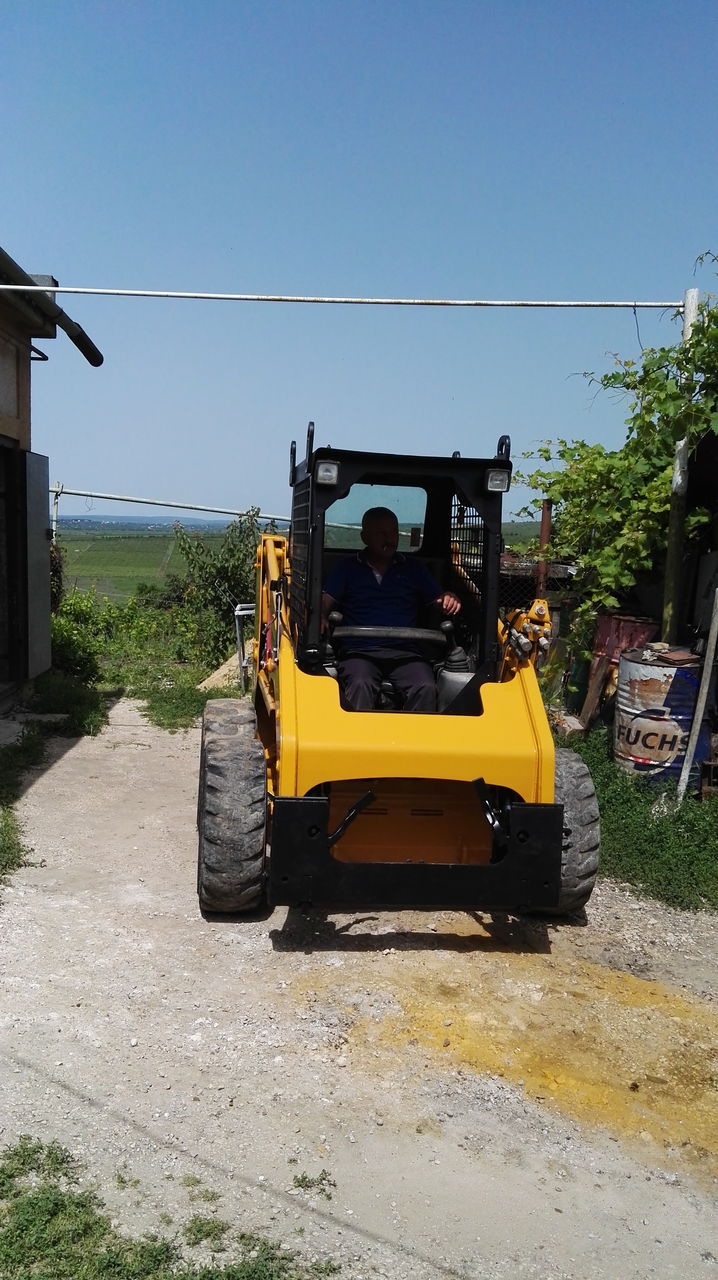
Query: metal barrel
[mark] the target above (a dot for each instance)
(655, 702)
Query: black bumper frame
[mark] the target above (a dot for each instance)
(302, 869)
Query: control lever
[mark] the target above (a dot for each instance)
(456, 659)
(334, 619)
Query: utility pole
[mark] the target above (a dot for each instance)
(677, 516)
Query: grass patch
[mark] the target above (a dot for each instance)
(12, 850)
(15, 759)
(177, 707)
(56, 693)
(200, 1229)
(671, 856)
(51, 1229)
(145, 657)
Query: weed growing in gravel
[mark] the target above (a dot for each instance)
(672, 856)
(320, 1183)
(52, 1230)
(197, 1191)
(124, 1181)
(206, 1195)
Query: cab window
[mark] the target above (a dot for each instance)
(343, 519)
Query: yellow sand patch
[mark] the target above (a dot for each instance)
(602, 1046)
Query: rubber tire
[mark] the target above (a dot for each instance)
(231, 810)
(581, 832)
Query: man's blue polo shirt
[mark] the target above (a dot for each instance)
(393, 602)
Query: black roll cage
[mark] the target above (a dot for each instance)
(454, 486)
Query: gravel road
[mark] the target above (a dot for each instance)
(457, 1095)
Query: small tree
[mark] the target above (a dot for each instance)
(218, 577)
(611, 507)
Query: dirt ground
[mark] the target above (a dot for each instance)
(478, 1097)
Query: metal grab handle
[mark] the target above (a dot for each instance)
(351, 815)
(242, 611)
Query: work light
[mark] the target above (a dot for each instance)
(498, 481)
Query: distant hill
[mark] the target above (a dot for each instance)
(518, 533)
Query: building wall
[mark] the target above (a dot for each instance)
(24, 517)
(14, 384)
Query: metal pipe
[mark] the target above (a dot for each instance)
(59, 489)
(241, 612)
(690, 311)
(161, 502)
(55, 510)
(708, 660)
(354, 302)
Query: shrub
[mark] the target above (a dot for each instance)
(57, 575)
(76, 637)
(218, 577)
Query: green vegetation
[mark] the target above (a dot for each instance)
(197, 1191)
(611, 507)
(520, 535)
(158, 647)
(203, 1230)
(320, 1183)
(159, 644)
(83, 705)
(124, 1181)
(15, 760)
(671, 855)
(51, 1229)
(115, 564)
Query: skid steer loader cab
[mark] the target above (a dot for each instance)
(302, 800)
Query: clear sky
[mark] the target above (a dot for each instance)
(394, 148)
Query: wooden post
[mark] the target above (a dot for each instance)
(677, 514)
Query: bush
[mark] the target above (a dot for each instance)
(163, 641)
(218, 577)
(57, 575)
(76, 637)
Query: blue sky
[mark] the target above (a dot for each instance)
(555, 150)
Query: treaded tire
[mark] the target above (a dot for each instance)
(231, 810)
(581, 832)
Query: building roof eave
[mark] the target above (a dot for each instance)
(40, 312)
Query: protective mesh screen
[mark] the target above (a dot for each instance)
(467, 541)
(299, 559)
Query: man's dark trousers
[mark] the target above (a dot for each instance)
(360, 676)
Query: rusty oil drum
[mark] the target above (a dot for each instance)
(655, 701)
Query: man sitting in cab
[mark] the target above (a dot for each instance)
(381, 587)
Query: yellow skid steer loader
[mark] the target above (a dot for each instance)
(303, 800)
